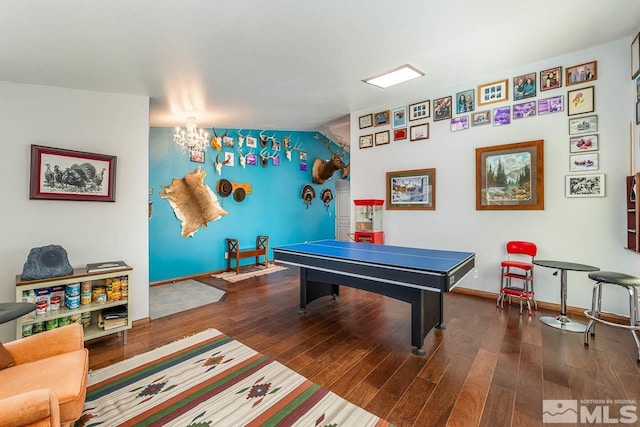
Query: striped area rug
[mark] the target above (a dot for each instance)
(210, 379)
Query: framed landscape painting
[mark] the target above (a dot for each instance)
(412, 189)
(510, 176)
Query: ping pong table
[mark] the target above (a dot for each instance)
(413, 275)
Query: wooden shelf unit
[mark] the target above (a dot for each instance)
(79, 275)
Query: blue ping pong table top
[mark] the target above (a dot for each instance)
(398, 256)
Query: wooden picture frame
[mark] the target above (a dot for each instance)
(583, 124)
(465, 101)
(420, 110)
(581, 101)
(442, 108)
(524, 86)
(581, 73)
(635, 57)
(583, 162)
(382, 138)
(496, 169)
(196, 156)
(399, 134)
(411, 189)
(554, 104)
(524, 110)
(399, 118)
(419, 132)
(583, 143)
(366, 141)
(365, 121)
(61, 174)
(459, 123)
(481, 118)
(497, 91)
(382, 118)
(551, 79)
(584, 185)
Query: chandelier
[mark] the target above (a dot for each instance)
(190, 137)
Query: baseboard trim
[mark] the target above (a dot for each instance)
(572, 311)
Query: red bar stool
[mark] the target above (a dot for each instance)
(632, 285)
(519, 266)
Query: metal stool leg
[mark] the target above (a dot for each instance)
(595, 308)
(633, 315)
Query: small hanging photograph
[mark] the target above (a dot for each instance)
(196, 156)
(580, 101)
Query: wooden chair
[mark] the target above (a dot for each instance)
(518, 266)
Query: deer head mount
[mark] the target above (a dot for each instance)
(265, 156)
(216, 141)
(288, 149)
(241, 138)
(323, 170)
(218, 164)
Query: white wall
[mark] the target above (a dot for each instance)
(586, 230)
(112, 124)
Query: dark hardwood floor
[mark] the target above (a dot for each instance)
(488, 368)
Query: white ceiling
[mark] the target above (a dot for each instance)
(287, 64)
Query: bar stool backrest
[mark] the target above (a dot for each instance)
(519, 247)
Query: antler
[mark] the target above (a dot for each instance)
(327, 142)
(288, 149)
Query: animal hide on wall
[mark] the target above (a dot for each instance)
(193, 202)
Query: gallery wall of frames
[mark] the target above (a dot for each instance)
(536, 93)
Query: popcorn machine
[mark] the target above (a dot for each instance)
(369, 221)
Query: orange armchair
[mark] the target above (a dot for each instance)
(47, 384)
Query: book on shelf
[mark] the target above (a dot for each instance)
(111, 323)
(106, 266)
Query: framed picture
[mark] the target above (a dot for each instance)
(524, 86)
(60, 174)
(580, 101)
(419, 110)
(581, 73)
(582, 143)
(524, 110)
(584, 185)
(459, 123)
(501, 116)
(555, 104)
(366, 141)
(382, 118)
(365, 121)
(252, 142)
(399, 117)
(481, 118)
(227, 141)
(442, 108)
(510, 176)
(399, 134)
(412, 189)
(588, 124)
(583, 162)
(489, 93)
(465, 102)
(419, 132)
(551, 79)
(382, 138)
(196, 156)
(635, 57)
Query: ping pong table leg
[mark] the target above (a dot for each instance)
(426, 313)
(311, 289)
(440, 324)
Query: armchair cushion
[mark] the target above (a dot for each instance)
(34, 408)
(5, 358)
(54, 360)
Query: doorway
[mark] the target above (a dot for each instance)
(343, 210)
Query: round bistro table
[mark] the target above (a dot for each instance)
(562, 321)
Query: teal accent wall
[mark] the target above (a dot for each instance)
(274, 207)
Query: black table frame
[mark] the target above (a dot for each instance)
(423, 289)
